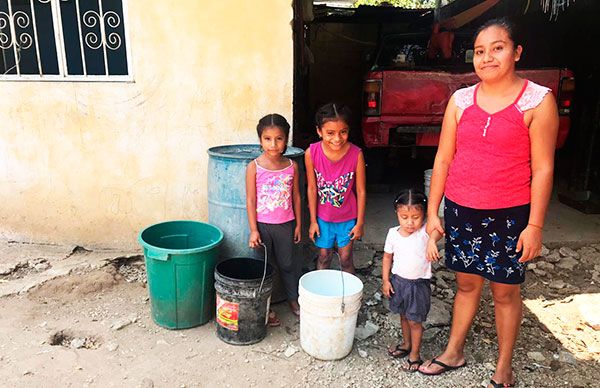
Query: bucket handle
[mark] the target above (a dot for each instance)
(157, 255)
(264, 273)
(343, 306)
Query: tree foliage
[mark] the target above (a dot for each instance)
(398, 3)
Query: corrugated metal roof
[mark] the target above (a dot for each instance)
(336, 3)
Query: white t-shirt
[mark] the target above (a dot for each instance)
(409, 260)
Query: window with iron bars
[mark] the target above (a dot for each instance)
(64, 40)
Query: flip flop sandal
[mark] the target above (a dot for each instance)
(501, 385)
(398, 352)
(411, 364)
(273, 321)
(445, 367)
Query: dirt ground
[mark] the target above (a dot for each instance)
(93, 328)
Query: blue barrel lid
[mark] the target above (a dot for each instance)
(247, 151)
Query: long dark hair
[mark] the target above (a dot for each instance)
(274, 120)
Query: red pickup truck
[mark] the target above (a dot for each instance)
(405, 94)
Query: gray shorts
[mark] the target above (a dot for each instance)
(411, 298)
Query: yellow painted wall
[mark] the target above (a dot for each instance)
(93, 163)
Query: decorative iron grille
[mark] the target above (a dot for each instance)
(63, 39)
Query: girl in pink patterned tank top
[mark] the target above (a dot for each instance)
(495, 165)
(335, 173)
(273, 205)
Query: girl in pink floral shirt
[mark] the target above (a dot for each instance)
(273, 205)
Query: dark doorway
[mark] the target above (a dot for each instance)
(334, 48)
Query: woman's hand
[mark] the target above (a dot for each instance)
(297, 234)
(387, 288)
(356, 233)
(530, 242)
(312, 230)
(255, 240)
(432, 251)
(434, 223)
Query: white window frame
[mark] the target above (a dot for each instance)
(61, 53)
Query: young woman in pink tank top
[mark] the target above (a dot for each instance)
(495, 165)
(273, 206)
(335, 173)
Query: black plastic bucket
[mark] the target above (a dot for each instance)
(242, 305)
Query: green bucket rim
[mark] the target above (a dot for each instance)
(181, 251)
(216, 151)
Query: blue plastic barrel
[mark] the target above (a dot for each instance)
(227, 193)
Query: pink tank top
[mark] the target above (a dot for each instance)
(491, 168)
(274, 194)
(335, 184)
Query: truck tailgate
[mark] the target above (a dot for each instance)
(420, 95)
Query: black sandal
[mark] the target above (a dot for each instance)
(445, 367)
(410, 368)
(398, 352)
(501, 385)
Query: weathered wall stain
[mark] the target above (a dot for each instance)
(94, 163)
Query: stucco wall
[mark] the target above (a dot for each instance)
(93, 163)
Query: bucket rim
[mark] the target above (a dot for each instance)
(215, 151)
(300, 287)
(181, 251)
(329, 298)
(268, 276)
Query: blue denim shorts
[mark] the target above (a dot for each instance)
(332, 232)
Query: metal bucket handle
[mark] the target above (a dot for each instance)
(264, 273)
(343, 306)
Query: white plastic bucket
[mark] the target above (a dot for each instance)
(327, 330)
(427, 186)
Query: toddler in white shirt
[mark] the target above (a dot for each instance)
(407, 257)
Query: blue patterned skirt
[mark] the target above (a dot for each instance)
(483, 242)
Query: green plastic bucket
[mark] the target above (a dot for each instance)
(180, 263)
